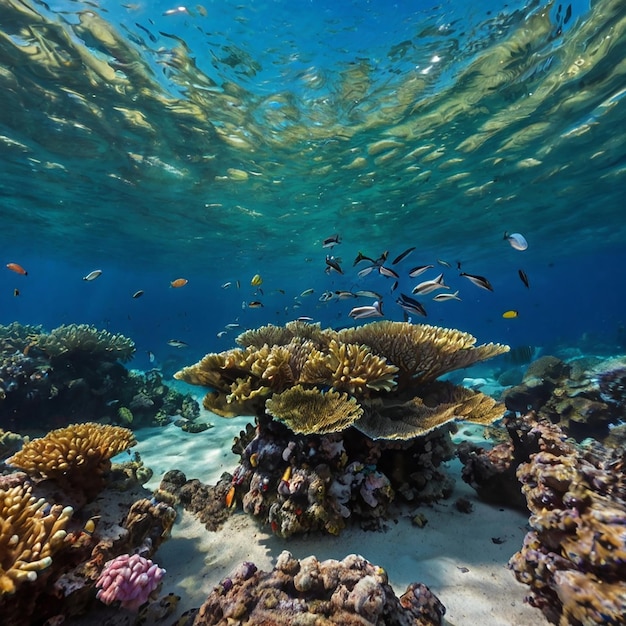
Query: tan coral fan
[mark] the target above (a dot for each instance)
(421, 352)
(28, 536)
(73, 450)
(309, 411)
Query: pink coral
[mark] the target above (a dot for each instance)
(129, 580)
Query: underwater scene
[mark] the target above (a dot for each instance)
(313, 313)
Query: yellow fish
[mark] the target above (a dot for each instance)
(509, 315)
(256, 280)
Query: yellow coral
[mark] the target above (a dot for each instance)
(85, 339)
(308, 411)
(421, 352)
(30, 532)
(78, 454)
(349, 367)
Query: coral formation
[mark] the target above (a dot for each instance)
(72, 339)
(585, 396)
(350, 592)
(129, 580)
(30, 533)
(48, 380)
(77, 456)
(345, 420)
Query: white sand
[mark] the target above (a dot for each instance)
(437, 555)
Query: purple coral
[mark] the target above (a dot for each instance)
(129, 579)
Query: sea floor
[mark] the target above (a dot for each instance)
(454, 553)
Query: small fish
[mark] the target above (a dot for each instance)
(326, 296)
(332, 264)
(16, 292)
(361, 257)
(230, 497)
(403, 255)
(479, 281)
(255, 304)
(138, 294)
(524, 278)
(179, 282)
(410, 305)
(176, 10)
(329, 242)
(366, 270)
(366, 293)
(362, 312)
(222, 333)
(386, 271)
(444, 263)
(343, 295)
(382, 258)
(237, 284)
(18, 269)
(428, 286)
(517, 241)
(176, 343)
(90, 525)
(226, 285)
(112, 402)
(420, 269)
(442, 297)
(509, 315)
(151, 356)
(394, 286)
(307, 292)
(305, 318)
(232, 325)
(256, 280)
(92, 275)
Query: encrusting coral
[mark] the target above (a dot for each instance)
(345, 420)
(30, 532)
(350, 592)
(77, 456)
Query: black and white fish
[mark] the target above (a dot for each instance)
(410, 305)
(428, 286)
(403, 255)
(332, 264)
(443, 297)
(420, 269)
(363, 312)
(329, 242)
(479, 281)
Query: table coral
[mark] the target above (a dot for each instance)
(344, 418)
(129, 580)
(30, 532)
(350, 592)
(77, 456)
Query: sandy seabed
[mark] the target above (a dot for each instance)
(454, 553)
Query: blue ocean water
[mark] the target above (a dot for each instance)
(217, 141)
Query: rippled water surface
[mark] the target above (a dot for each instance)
(219, 140)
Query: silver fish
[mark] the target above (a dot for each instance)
(385, 271)
(329, 242)
(479, 281)
(403, 255)
(92, 275)
(442, 297)
(427, 286)
(366, 270)
(138, 294)
(366, 293)
(410, 305)
(363, 312)
(221, 333)
(326, 296)
(232, 325)
(332, 264)
(226, 285)
(176, 343)
(420, 269)
(344, 295)
(307, 292)
(444, 263)
(305, 318)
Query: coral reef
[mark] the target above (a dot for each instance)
(30, 533)
(352, 591)
(60, 554)
(49, 380)
(129, 580)
(347, 421)
(574, 557)
(585, 396)
(76, 457)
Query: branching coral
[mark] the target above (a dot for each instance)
(74, 339)
(349, 367)
(77, 455)
(282, 335)
(30, 532)
(310, 411)
(16, 336)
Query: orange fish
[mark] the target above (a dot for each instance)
(230, 497)
(179, 282)
(18, 269)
